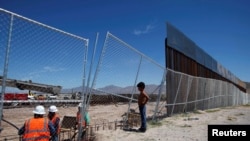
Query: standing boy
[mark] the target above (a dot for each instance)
(142, 101)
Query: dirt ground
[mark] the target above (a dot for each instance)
(180, 127)
(183, 127)
(99, 114)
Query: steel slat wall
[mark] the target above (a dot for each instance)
(197, 63)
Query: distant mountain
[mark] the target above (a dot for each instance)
(111, 89)
(72, 90)
(150, 89)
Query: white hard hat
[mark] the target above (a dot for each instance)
(52, 108)
(80, 105)
(39, 110)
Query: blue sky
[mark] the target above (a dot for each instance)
(219, 27)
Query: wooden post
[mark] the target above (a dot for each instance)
(103, 125)
(115, 124)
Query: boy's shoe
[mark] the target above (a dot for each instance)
(142, 129)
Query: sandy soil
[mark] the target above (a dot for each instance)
(180, 127)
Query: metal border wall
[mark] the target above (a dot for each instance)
(182, 44)
(195, 81)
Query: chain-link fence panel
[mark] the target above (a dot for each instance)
(189, 93)
(119, 70)
(40, 66)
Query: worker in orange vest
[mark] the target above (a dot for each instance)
(85, 122)
(55, 119)
(37, 128)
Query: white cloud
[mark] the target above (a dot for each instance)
(45, 70)
(147, 29)
(52, 69)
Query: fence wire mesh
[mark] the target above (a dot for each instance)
(119, 69)
(40, 66)
(34, 54)
(188, 93)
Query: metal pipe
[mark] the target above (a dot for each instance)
(10, 123)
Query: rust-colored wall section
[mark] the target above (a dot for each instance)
(177, 61)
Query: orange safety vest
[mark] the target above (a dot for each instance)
(78, 118)
(36, 129)
(53, 120)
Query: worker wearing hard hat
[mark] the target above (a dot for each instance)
(85, 122)
(37, 128)
(55, 119)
